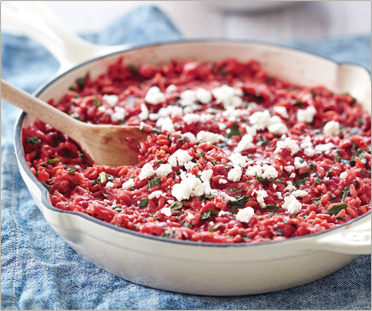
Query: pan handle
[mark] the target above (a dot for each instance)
(38, 23)
(354, 239)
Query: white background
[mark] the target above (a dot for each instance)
(202, 19)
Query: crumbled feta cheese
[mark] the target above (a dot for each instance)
(166, 124)
(190, 216)
(155, 194)
(292, 205)
(128, 184)
(163, 170)
(171, 88)
(227, 96)
(190, 136)
(261, 194)
(332, 128)
(203, 95)
(225, 196)
(279, 195)
(235, 174)
(146, 171)
(245, 214)
(260, 119)
(282, 111)
(238, 159)
(269, 172)
(287, 143)
(209, 137)
(254, 170)
(112, 100)
(343, 175)
(182, 156)
(289, 168)
(154, 96)
(250, 130)
(298, 163)
(309, 152)
(278, 128)
(290, 186)
(169, 111)
(118, 115)
(232, 113)
(191, 118)
(293, 175)
(206, 175)
(306, 115)
(189, 165)
(274, 186)
(244, 144)
(221, 126)
(191, 108)
(306, 143)
(223, 213)
(188, 98)
(110, 184)
(222, 181)
(166, 211)
(299, 193)
(101, 109)
(189, 186)
(325, 147)
(144, 112)
(326, 178)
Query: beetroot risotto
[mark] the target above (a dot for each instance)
(233, 154)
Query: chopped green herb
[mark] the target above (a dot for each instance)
(96, 102)
(132, 68)
(156, 218)
(143, 203)
(117, 208)
(329, 171)
(279, 232)
(76, 95)
(153, 182)
(211, 229)
(222, 71)
(312, 165)
(52, 161)
(360, 121)
(271, 207)
(78, 118)
(71, 88)
(339, 217)
(263, 141)
(81, 81)
(297, 103)
(205, 197)
(33, 140)
(71, 171)
(46, 187)
(212, 211)
(299, 182)
(214, 162)
(235, 189)
(239, 203)
(234, 130)
(336, 209)
(43, 165)
(202, 154)
(176, 206)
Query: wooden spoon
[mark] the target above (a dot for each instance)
(103, 144)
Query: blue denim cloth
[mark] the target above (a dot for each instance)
(40, 271)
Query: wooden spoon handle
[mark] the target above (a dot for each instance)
(40, 109)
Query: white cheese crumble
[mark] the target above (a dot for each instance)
(289, 168)
(188, 98)
(325, 147)
(254, 170)
(235, 174)
(238, 159)
(306, 115)
(290, 187)
(293, 175)
(292, 205)
(287, 143)
(154, 96)
(299, 193)
(128, 184)
(245, 214)
(155, 194)
(112, 100)
(222, 181)
(260, 119)
(110, 185)
(209, 137)
(144, 112)
(279, 195)
(166, 211)
(250, 130)
(180, 156)
(163, 170)
(227, 95)
(119, 114)
(206, 175)
(203, 95)
(189, 165)
(244, 144)
(278, 128)
(331, 128)
(261, 194)
(166, 124)
(146, 171)
(269, 172)
(171, 88)
(101, 109)
(221, 126)
(189, 186)
(282, 111)
(298, 163)
(169, 111)
(274, 186)
(191, 118)
(343, 175)
(190, 136)
(223, 213)
(190, 216)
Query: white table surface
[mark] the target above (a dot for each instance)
(200, 19)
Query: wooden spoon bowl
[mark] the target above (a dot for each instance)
(103, 144)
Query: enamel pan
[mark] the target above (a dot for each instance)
(183, 266)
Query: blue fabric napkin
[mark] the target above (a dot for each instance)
(40, 271)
